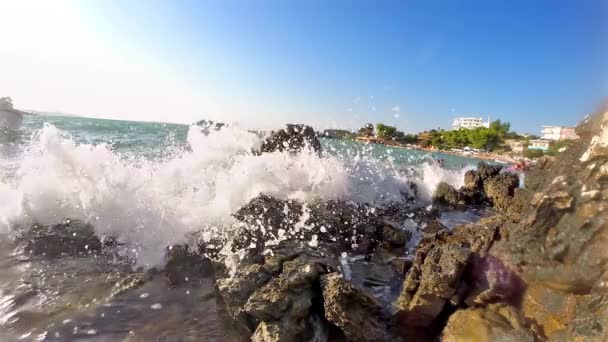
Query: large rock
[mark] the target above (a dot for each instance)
(495, 323)
(184, 266)
(500, 189)
(69, 238)
(432, 281)
(446, 194)
(486, 171)
(558, 246)
(356, 313)
(292, 139)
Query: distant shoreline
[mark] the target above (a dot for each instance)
(477, 155)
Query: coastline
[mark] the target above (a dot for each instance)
(477, 155)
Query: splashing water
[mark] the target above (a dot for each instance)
(155, 202)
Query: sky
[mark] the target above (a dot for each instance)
(331, 64)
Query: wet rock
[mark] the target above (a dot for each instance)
(183, 266)
(284, 303)
(289, 294)
(395, 235)
(344, 225)
(292, 139)
(433, 279)
(356, 313)
(493, 323)
(235, 291)
(274, 332)
(446, 194)
(68, 238)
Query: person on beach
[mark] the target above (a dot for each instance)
(519, 169)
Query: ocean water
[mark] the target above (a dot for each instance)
(152, 185)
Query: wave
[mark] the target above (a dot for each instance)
(150, 204)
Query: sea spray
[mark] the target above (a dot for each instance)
(151, 204)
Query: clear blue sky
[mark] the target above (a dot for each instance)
(343, 63)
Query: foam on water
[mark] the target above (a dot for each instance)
(151, 204)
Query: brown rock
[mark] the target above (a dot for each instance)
(493, 323)
(356, 313)
(431, 282)
(552, 310)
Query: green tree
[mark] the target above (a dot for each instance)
(384, 131)
(367, 130)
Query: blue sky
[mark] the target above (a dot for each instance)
(413, 64)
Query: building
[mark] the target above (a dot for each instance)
(469, 122)
(568, 133)
(518, 147)
(557, 133)
(540, 144)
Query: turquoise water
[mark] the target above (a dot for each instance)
(154, 140)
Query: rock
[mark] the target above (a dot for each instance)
(183, 266)
(277, 331)
(493, 323)
(446, 194)
(395, 236)
(356, 313)
(290, 294)
(491, 281)
(235, 291)
(500, 190)
(472, 180)
(486, 171)
(70, 238)
(292, 139)
(552, 310)
(432, 280)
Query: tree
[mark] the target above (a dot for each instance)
(502, 128)
(384, 131)
(367, 130)
(533, 154)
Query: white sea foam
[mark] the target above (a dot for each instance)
(153, 204)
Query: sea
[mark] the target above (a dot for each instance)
(153, 185)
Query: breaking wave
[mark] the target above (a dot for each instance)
(150, 204)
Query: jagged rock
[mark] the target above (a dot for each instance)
(558, 247)
(446, 194)
(289, 294)
(395, 235)
(347, 225)
(472, 180)
(235, 291)
(183, 266)
(480, 235)
(276, 331)
(489, 324)
(68, 238)
(292, 139)
(433, 279)
(356, 313)
(491, 281)
(486, 171)
(284, 302)
(500, 189)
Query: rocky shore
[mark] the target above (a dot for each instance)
(343, 271)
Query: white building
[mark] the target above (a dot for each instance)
(469, 122)
(557, 133)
